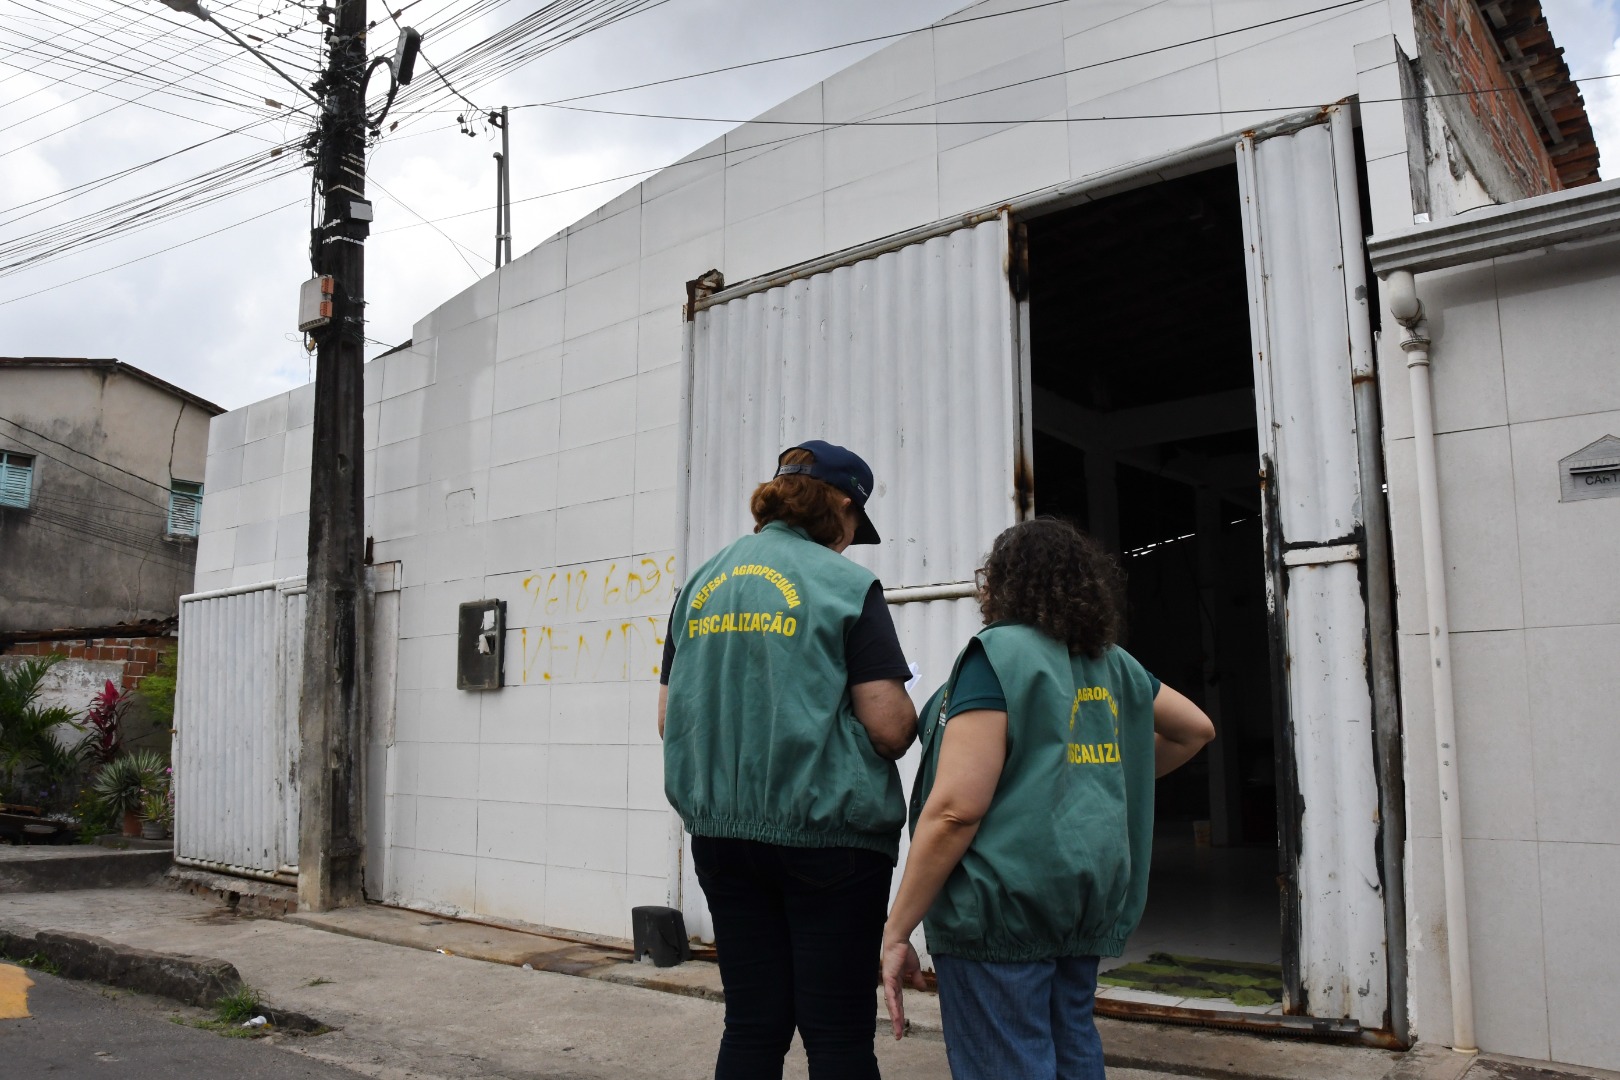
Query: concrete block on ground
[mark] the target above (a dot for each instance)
(192, 980)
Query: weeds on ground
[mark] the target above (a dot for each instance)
(236, 1007)
(41, 963)
(319, 980)
(229, 1013)
(219, 1027)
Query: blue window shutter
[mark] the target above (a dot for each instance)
(185, 508)
(16, 479)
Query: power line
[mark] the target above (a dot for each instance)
(1058, 74)
(818, 51)
(83, 454)
(819, 128)
(453, 242)
(151, 254)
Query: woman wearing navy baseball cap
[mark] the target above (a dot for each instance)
(783, 712)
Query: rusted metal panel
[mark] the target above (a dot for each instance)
(1303, 389)
(907, 353)
(236, 729)
(907, 357)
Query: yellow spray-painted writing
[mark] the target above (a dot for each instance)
(743, 622)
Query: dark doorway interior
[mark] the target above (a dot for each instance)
(1145, 434)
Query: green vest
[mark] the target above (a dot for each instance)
(760, 739)
(1059, 865)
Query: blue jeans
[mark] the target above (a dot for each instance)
(797, 931)
(1020, 1021)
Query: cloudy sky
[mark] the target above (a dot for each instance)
(91, 88)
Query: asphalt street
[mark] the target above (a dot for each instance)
(78, 1030)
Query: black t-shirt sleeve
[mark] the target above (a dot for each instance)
(669, 644)
(872, 649)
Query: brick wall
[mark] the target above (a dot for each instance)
(139, 655)
(1454, 37)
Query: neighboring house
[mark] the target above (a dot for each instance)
(101, 492)
(1098, 260)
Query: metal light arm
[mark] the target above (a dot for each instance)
(192, 7)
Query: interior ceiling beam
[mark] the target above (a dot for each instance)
(1235, 476)
(1146, 425)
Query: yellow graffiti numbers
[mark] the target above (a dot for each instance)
(583, 590)
(598, 622)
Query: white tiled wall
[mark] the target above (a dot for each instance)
(1523, 368)
(527, 440)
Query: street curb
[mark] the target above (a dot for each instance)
(190, 980)
(1427, 1061)
(83, 868)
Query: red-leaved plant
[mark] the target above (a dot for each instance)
(104, 719)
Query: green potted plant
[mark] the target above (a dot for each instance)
(154, 814)
(123, 781)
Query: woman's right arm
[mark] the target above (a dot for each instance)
(1180, 730)
(885, 710)
(972, 752)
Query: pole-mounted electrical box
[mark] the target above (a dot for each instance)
(315, 303)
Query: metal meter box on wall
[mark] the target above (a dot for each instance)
(481, 645)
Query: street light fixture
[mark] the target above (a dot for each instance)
(192, 7)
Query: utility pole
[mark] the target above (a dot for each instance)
(332, 709)
(332, 715)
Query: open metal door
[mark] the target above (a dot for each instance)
(907, 352)
(1335, 961)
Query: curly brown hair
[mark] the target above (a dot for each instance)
(1052, 576)
(800, 500)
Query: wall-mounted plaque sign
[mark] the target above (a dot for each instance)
(1592, 472)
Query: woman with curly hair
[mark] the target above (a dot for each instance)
(1032, 815)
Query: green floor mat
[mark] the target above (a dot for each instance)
(1237, 981)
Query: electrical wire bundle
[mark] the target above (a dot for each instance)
(147, 210)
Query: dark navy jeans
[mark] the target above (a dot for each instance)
(797, 931)
(1028, 1021)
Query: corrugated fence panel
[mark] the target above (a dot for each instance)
(908, 359)
(231, 731)
(292, 667)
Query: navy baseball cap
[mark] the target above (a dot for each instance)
(844, 470)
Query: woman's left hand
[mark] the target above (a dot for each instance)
(900, 968)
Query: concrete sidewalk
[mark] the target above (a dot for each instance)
(414, 995)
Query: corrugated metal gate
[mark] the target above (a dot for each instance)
(907, 352)
(1334, 912)
(236, 730)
